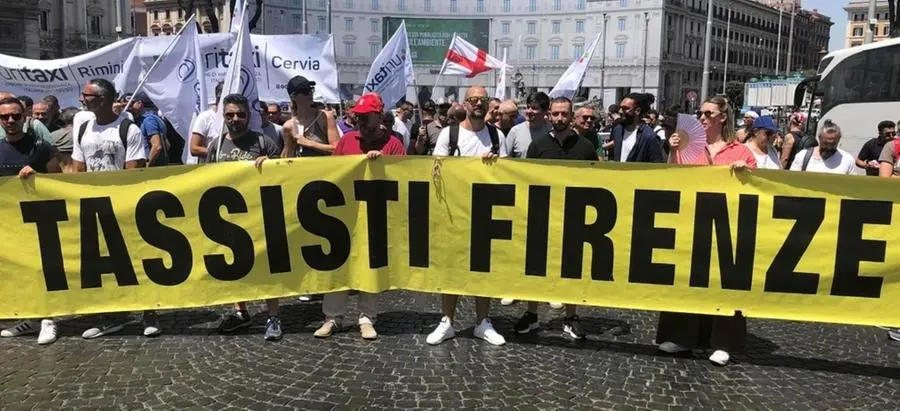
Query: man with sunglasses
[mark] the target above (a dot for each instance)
(633, 140)
(871, 151)
(584, 126)
(536, 107)
(240, 143)
(474, 138)
(273, 114)
(23, 153)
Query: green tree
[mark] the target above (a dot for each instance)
(734, 90)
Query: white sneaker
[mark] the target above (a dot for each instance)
(22, 328)
(486, 332)
(672, 348)
(151, 324)
(48, 332)
(507, 301)
(557, 306)
(444, 331)
(720, 357)
(304, 298)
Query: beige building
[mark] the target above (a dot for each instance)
(165, 17)
(858, 20)
(19, 29)
(71, 27)
(784, 4)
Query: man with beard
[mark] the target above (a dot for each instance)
(471, 138)
(242, 144)
(374, 138)
(826, 157)
(535, 124)
(870, 153)
(561, 143)
(633, 140)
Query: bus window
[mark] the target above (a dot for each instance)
(844, 83)
(882, 75)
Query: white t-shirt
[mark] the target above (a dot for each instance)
(471, 144)
(769, 160)
(660, 132)
(209, 125)
(839, 163)
(628, 144)
(80, 118)
(101, 148)
(402, 129)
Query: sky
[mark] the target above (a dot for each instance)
(835, 10)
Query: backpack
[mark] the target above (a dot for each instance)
(123, 132)
(454, 140)
(176, 143)
(806, 158)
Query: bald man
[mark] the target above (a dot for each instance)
(473, 137)
(584, 125)
(506, 120)
(31, 125)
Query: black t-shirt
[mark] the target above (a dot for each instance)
(28, 151)
(574, 147)
(871, 151)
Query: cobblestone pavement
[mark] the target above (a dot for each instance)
(789, 365)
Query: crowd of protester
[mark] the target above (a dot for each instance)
(113, 131)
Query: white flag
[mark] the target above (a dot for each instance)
(241, 75)
(177, 85)
(500, 93)
(392, 70)
(237, 15)
(464, 59)
(568, 84)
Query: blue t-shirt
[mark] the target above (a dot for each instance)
(152, 125)
(28, 151)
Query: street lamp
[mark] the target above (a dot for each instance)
(603, 63)
(704, 85)
(646, 32)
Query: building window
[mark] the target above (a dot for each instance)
(454, 6)
(348, 24)
(530, 52)
(348, 49)
(620, 50)
(322, 3)
(376, 4)
(504, 27)
(621, 23)
(556, 25)
(580, 5)
(623, 3)
(578, 50)
(155, 14)
(401, 5)
(532, 5)
(374, 49)
(507, 6)
(554, 52)
(45, 20)
(320, 22)
(180, 13)
(557, 5)
(167, 14)
(298, 23)
(579, 26)
(428, 5)
(532, 27)
(857, 32)
(375, 28)
(479, 6)
(95, 24)
(504, 50)
(348, 4)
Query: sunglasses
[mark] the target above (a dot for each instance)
(11, 116)
(587, 118)
(890, 134)
(304, 92)
(478, 100)
(86, 95)
(707, 114)
(236, 115)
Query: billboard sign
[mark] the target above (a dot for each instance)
(429, 39)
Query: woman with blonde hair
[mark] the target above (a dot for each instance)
(310, 131)
(678, 332)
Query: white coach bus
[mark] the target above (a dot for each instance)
(858, 87)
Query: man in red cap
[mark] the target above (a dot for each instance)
(373, 140)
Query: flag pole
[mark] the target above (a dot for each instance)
(443, 66)
(165, 52)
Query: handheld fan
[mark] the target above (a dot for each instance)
(693, 139)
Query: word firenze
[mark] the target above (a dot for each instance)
(710, 217)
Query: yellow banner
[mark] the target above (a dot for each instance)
(772, 244)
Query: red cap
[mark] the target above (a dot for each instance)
(368, 103)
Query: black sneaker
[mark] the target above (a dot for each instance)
(527, 324)
(235, 321)
(572, 327)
